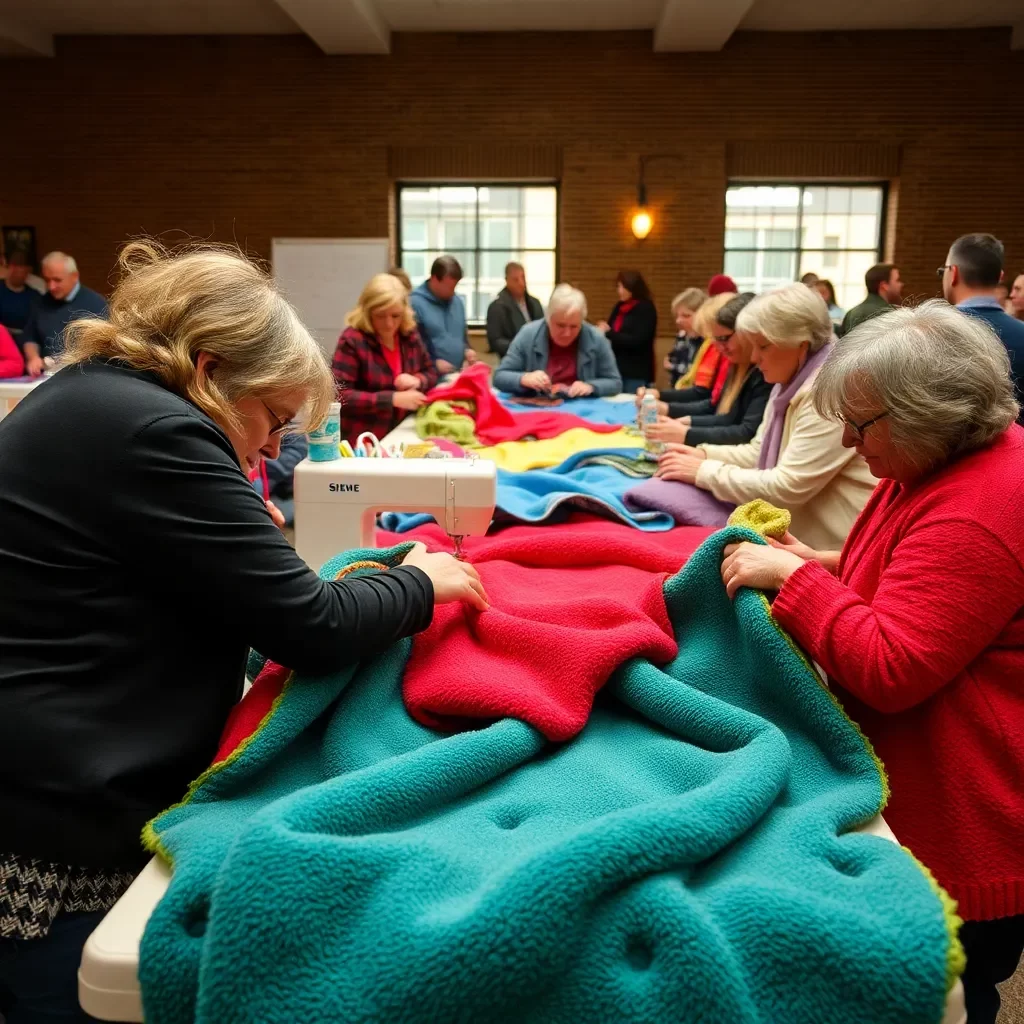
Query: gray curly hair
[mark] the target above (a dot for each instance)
(943, 378)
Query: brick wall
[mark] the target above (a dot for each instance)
(245, 138)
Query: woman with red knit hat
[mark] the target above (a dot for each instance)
(720, 284)
(919, 622)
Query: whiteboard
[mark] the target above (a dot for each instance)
(323, 277)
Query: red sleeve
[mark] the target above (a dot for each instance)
(11, 362)
(350, 371)
(424, 365)
(949, 591)
(706, 369)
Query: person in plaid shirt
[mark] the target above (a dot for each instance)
(382, 367)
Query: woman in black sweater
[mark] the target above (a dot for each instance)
(732, 410)
(137, 568)
(631, 329)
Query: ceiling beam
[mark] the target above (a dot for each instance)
(341, 26)
(689, 25)
(30, 40)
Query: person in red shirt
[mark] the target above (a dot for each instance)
(919, 622)
(382, 367)
(11, 362)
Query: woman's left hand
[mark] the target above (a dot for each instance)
(580, 389)
(668, 430)
(406, 382)
(757, 566)
(276, 514)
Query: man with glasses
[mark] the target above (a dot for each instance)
(885, 289)
(970, 276)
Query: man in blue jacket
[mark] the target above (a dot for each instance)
(561, 355)
(66, 299)
(441, 316)
(970, 276)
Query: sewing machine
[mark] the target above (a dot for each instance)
(337, 503)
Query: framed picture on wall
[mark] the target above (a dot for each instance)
(20, 238)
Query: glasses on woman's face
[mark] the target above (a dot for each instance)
(280, 425)
(723, 339)
(857, 429)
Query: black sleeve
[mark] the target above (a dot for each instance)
(686, 397)
(189, 515)
(701, 408)
(30, 332)
(499, 337)
(639, 327)
(738, 426)
(680, 396)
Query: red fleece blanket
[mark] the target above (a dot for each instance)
(569, 604)
(494, 423)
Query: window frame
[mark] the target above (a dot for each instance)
(478, 251)
(802, 184)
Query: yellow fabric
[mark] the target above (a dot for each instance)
(762, 518)
(519, 456)
(687, 380)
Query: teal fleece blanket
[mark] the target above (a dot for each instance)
(689, 856)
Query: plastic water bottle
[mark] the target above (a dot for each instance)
(648, 418)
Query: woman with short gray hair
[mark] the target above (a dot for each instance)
(796, 460)
(919, 622)
(560, 356)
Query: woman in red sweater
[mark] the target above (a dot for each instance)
(919, 622)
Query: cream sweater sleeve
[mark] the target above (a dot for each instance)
(737, 454)
(814, 455)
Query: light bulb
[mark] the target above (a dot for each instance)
(642, 223)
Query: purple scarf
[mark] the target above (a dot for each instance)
(778, 405)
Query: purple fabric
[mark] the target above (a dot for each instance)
(778, 403)
(686, 504)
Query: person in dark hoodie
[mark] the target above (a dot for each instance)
(631, 329)
(511, 311)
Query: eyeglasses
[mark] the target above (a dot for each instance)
(857, 429)
(280, 425)
(940, 272)
(723, 338)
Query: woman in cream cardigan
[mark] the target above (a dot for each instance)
(796, 460)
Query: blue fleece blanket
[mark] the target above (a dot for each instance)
(690, 856)
(597, 410)
(547, 494)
